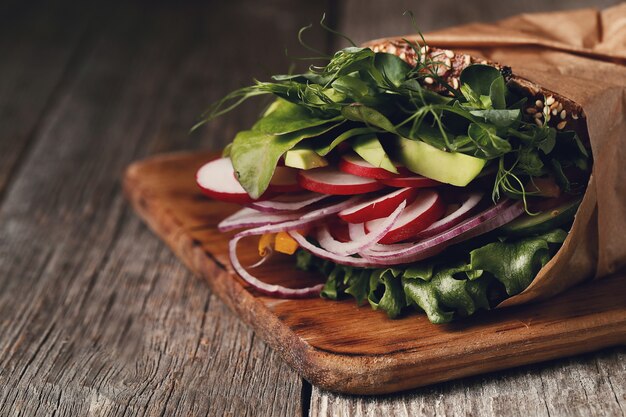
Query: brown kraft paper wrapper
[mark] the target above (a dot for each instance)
(581, 55)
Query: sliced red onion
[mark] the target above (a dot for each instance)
(357, 231)
(263, 287)
(288, 202)
(303, 220)
(248, 217)
(451, 219)
(327, 242)
(484, 222)
(324, 254)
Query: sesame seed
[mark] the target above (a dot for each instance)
(429, 80)
(554, 105)
(538, 115)
(563, 114)
(402, 56)
(449, 53)
(539, 104)
(550, 100)
(538, 122)
(561, 125)
(391, 49)
(560, 107)
(447, 62)
(467, 59)
(455, 83)
(554, 112)
(574, 116)
(531, 110)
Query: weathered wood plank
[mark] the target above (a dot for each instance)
(586, 385)
(97, 316)
(589, 385)
(37, 59)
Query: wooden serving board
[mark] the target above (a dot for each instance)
(342, 347)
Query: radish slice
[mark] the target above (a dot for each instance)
(263, 287)
(353, 164)
(248, 217)
(217, 180)
(288, 202)
(378, 207)
(284, 180)
(452, 219)
(486, 221)
(328, 180)
(427, 208)
(327, 242)
(414, 181)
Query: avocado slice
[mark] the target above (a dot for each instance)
(369, 148)
(448, 167)
(543, 222)
(304, 159)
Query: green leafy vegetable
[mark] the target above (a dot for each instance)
(456, 285)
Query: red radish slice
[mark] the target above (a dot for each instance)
(355, 165)
(427, 208)
(378, 207)
(288, 202)
(413, 181)
(328, 180)
(327, 242)
(217, 180)
(284, 180)
(454, 218)
(486, 221)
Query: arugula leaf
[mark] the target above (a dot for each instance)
(392, 69)
(286, 117)
(255, 154)
(489, 145)
(369, 116)
(484, 81)
(324, 148)
(500, 118)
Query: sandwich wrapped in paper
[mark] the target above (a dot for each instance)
(478, 169)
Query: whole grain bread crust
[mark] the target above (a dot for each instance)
(542, 105)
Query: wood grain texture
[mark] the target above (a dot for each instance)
(342, 347)
(96, 316)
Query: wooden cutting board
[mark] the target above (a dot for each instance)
(342, 347)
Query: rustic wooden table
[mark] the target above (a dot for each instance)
(97, 317)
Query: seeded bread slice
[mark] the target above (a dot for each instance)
(542, 104)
